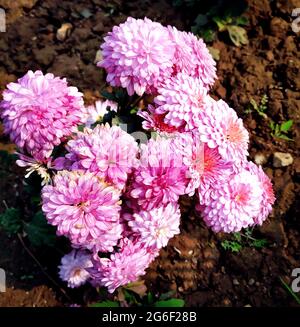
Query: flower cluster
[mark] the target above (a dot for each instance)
(115, 200)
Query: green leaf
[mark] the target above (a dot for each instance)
(150, 298)
(284, 137)
(237, 237)
(105, 304)
(11, 221)
(172, 303)
(286, 125)
(238, 35)
(201, 20)
(166, 296)
(241, 20)
(259, 243)
(231, 246)
(208, 35)
(220, 23)
(39, 231)
(108, 95)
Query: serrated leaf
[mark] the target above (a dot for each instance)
(284, 127)
(39, 231)
(172, 303)
(238, 35)
(105, 304)
(11, 221)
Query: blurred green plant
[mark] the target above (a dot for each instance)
(260, 108)
(280, 130)
(135, 295)
(241, 240)
(290, 291)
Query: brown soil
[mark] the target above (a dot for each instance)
(194, 264)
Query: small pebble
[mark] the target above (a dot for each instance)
(235, 282)
(64, 31)
(251, 282)
(260, 159)
(281, 159)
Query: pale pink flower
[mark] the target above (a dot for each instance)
(268, 197)
(84, 209)
(124, 266)
(221, 128)
(155, 227)
(234, 204)
(107, 151)
(96, 112)
(192, 57)
(73, 268)
(180, 99)
(39, 111)
(137, 55)
(161, 175)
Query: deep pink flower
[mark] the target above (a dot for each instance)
(137, 55)
(155, 227)
(73, 268)
(234, 204)
(107, 151)
(160, 177)
(221, 128)
(268, 197)
(181, 99)
(84, 208)
(192, 57)
(39, 111)
(124, 266)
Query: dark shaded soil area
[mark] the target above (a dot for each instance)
(194, 264)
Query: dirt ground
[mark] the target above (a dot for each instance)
(194, 264)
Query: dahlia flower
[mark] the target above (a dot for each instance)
(137, 55)
(221, 128)
(268, 197)
(161, 175)
(122, 267)
(107, 151)
(155, 227)
(192, 57)
(84, 208)
(234, 204)
(180, 99)
(73, 268)
(96, 112)
(39, 111)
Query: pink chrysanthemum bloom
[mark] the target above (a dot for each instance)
(221, 128)
(234, 204)
(155, 227)
(122, 267)
(161, 175)
(107, 151)
(192, 57)
(85, 209)
(73, 268)
(180, 99)
(39, 111)
(137, 55)
(155, 122)
(96, 112)
(268, 197)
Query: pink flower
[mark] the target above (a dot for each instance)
(154, 121)
(181, 99)
(234, 204)
(137, 55)
(161, 175)
(96, 112)
(122, 267)
(268, 197)
(85, 209)
(39, 111)
(107, 151)
(222, 129)
(73, 268)
(192, 57)
(155, 227)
